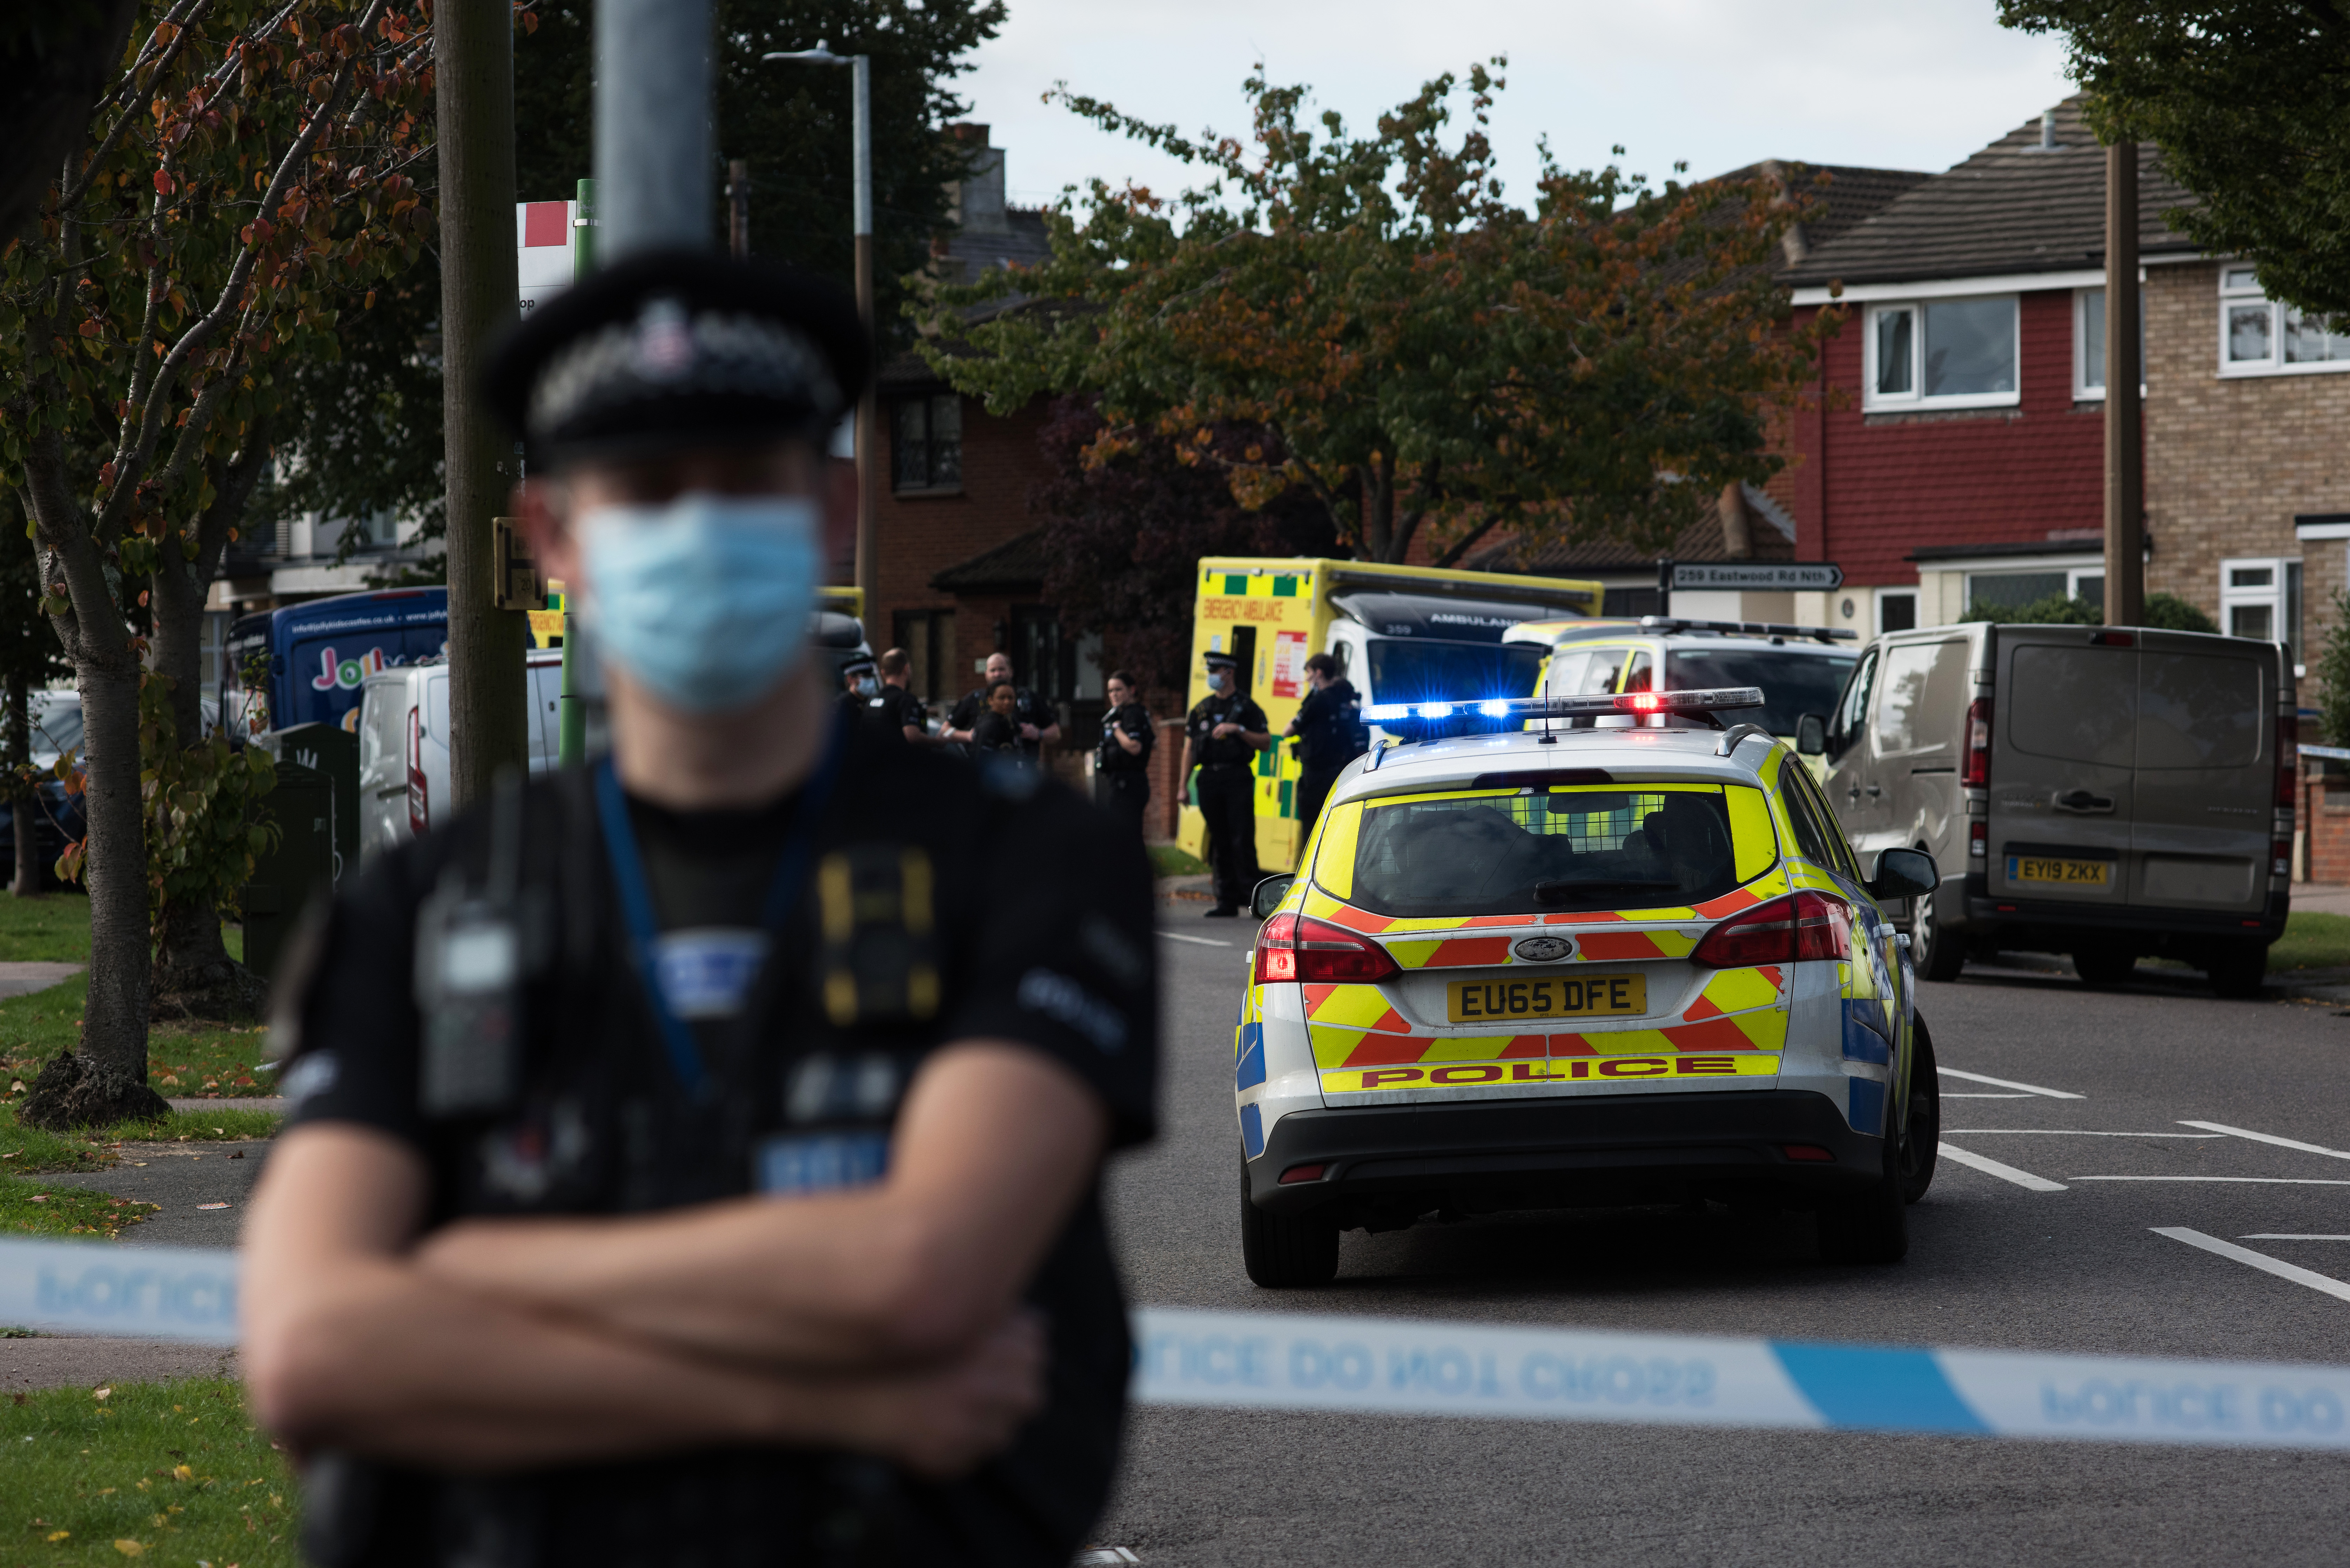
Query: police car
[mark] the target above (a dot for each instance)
(1530, 965)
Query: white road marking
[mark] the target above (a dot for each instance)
(2254, 1180)
(1949, 1095)
(2270, 1138)
(2009, 1084)
(2260, 1260)
(2069, 1132)
(2004, 1172)
(1200, 941)
(2288, 1236)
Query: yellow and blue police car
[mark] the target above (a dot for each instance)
(1526, 964)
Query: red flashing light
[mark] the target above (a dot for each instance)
(1642, 702)
(1784, 930)
(1297, 947)
(1978, 769)
(1802, 1151)
(1297, 1173)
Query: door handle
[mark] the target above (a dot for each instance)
(1874, 792)
(1852, 793)
(2083, 804)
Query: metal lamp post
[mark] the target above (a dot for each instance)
(869, 568)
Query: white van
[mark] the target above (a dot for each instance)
(404, 744)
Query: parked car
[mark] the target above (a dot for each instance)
(403, 730)
(2109, 792)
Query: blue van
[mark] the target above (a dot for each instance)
(321, 653)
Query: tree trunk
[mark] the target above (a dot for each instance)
(193, 975)
(106, 1081)
(474, 85)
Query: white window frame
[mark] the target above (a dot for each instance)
(2238, 288)
(2073, 574)
(1886, 595)
(1872, 401)
(2277, 596)
(2082, 391)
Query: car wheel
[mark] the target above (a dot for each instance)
(2104, 966)
(1921, 1139)
(2237, 972)
(1938, 951)
(1873, 1227)
(1286, 1250)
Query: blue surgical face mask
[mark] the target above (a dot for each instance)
(704, 600)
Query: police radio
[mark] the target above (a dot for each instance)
(475, 951)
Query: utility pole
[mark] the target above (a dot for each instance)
(652, 125)
(738, 208)
(474, 100)
(2124, 432)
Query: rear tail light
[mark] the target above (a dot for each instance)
(1978, 771)
(1803, 1151)
(1784, 930)
(1297, 947)
(2281, 858)
(1978, 840)
(419, 803)
(2288, 759)
(1297, 1173)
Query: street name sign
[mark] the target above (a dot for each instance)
(1802, 577)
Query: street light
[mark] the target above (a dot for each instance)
(860, 68)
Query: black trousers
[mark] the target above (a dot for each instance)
(1313, 789)
(1123, 796)
(1228, 802)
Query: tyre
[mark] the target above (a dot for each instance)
(1874, 1227)
(2104, 966)
(2237, 972)
(1936, 952)
(1283, 1252)
(1921, 1138)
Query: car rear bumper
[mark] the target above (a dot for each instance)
(1384, 1165)
(2053, 925)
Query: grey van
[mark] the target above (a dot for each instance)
(2109, 792)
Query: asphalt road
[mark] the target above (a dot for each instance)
(1993, 1263)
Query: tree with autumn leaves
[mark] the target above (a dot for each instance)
(246, 181)
(1426, 357)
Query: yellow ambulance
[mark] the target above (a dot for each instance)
(1400, 634)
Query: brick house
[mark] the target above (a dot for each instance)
(1966, 465)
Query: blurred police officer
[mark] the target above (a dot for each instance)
(1226, 730)
(1122, 759)
(694, 1156)
(1329, 733)
(860, 685)
(899, 710)
(1039, 727)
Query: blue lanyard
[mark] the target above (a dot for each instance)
(636, 896)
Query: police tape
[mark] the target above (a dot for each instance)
(1403, 1366)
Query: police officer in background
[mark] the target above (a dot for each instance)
(861, 684)
(1039, 727)
(1328, 730)
(897, 707)
(694, 1157)
(1226, 730)
(1122, 760)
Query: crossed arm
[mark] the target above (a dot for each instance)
(883, 1320)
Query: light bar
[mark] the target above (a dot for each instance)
(1720, 699)
(1668, 623)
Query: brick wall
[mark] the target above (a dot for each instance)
(2322, 818)
(1867, 489)
(2229, 461)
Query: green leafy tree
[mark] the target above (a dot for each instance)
(1423, 354)
(243, 183)
(2250, 102)
(2333, 671)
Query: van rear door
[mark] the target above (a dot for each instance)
(2207, 740)
(2063, 760)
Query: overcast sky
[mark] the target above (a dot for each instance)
(1905, 84)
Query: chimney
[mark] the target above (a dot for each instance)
(978, 198)
(1737, 533)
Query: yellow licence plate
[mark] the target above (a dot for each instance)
(1552, 996)
(2069, 873)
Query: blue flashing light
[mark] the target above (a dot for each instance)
(1435, 709)
(1382, 713)
(1496, 708)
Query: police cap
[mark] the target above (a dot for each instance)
(675, 348)
(1223, 661)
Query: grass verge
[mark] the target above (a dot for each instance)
(54, 928)
(2312, 940)
(206, 1061)
(1172, 860)
(176, 1471)
(32, 1208)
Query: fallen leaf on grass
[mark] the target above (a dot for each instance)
(212, 1205)
(129, 1548)
(101, 1392)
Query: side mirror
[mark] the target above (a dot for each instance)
(1273, 890)
(1812, 735)
(1904, 873)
